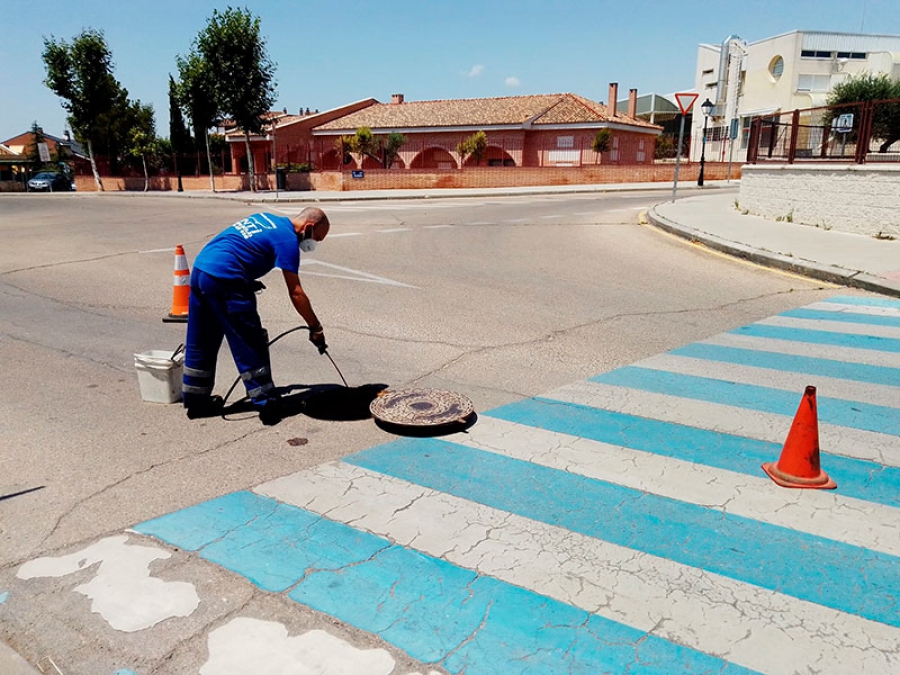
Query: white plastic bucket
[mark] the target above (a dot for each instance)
(159, 376)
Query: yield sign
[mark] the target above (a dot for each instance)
(686, 102)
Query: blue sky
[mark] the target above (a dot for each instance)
(332, 52)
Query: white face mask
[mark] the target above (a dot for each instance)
(308, 245)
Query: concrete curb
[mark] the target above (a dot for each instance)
(813, 270)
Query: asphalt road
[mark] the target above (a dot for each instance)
(498, 299)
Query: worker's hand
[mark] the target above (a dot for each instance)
(317, 337)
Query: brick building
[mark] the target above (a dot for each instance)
(546, 130)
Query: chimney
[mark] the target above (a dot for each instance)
(396, 99)
(613, 97)
(632, 102)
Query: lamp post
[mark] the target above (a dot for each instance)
(707, 108)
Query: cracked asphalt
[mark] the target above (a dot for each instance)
(500, 299)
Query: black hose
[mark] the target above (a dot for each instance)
(270, 343)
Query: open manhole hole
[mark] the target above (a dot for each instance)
(421, 408)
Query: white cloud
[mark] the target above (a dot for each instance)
(512, 82)
(476, 70)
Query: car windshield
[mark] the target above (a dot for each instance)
(46, 176)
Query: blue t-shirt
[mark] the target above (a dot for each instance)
(251, 248)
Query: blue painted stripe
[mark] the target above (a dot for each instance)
(855, 477)
(257, 536)
(820, 337)
(865, 302)
(833, 574)
(859, 372)
(853, 414)
(846, 317)
(435, 611)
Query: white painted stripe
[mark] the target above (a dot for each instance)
(851, 390)
(351, 274)
(832, 326)
(818, 512)
(158, 250)
(518, 220)
(484, 222)
(554, 215)
(344, 234)
(744, 624)
(436, 227)
(394, 229)
(868, 445)
(839, 307)
(868, 356)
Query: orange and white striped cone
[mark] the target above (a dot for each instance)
(181, 288)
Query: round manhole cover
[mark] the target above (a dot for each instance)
(421, 407)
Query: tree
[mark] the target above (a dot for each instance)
(197, 93)
(390, 147)
(474, 146)
(363, 143)
(869, 87)
(80, 73)
(602, 141)
(142, 136)
(242, 73)
(179, 138)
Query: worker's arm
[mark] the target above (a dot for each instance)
(300, 300)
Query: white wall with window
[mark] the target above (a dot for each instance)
(777, 74)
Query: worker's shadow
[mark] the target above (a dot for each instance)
(332, 402)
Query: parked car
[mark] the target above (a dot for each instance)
(50, 181)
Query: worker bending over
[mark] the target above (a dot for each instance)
(223, 304)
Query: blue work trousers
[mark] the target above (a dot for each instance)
(221, 308)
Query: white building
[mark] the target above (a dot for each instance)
(778, 74)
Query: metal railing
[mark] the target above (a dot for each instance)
(851, 132)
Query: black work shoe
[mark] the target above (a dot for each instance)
(210, 407)
(272, 412)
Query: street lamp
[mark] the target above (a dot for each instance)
(707, 108)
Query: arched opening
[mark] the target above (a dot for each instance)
(433, 158)
(493, 156)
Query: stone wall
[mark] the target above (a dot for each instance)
(855, 198)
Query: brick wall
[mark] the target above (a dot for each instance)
(487, 177)
(411, 179)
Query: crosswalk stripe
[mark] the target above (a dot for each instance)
(436, 611)
(833, 574)
(837, 306)
(844, 317)
(649, 593)
(851, 414)
(849, 328)
(770, 344)
(832, 515)
(769, 364)
(821, 337)
(692, 418)
(865, 301)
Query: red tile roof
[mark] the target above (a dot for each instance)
(539, 110)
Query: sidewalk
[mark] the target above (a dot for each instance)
(847, 259)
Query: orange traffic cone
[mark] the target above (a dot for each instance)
(799, 466)
(181, 290)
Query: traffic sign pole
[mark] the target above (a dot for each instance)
(685, 102)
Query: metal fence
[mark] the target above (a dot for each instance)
(852, 132)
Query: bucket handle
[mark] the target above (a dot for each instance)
(178, 350)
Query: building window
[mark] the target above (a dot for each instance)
(565, 142)
(810, 54)
(814, 83)
(776, 68)
(851, 55)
